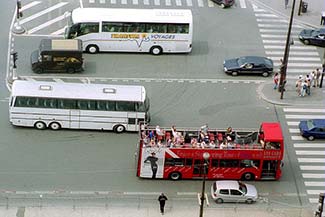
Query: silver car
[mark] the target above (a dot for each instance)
(233, 191)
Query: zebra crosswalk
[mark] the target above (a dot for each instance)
(51, 18)
(273, 28)
(310, 154)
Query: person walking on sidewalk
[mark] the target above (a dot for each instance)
(317, 76)
(162, 200)
(286, 2)
(276, 80)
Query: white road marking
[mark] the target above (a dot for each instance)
(299, 71)
(210, 4)
(265, 15)
(310, 110)
(259, 10)
(296, 53)
(276, 25)
(291, 48)
(313, 200)
(297, 138)
(157, 2)
(305, 117)
(102, 1)
(146, 2)
(291, 64)
(91, 1)
(315, 59)
(278, 30)
(309, 145)
(315, 184)
(313, 176)
(168, 2)
(32, 4)
(178, 2)
(315, 191)
(312, 167)
(135, 2)
(310, 153)
(34, 16)
(59, 32)
(124, 2)
(242, 3)
(293, 123)
(311, 160)
(113, 2)
(200, 3)
(273, 36)
(262, 20)
(48, 23)
(189, 3)
(294, 130)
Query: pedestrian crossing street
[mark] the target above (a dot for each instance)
(310, 154)
(303, 59)
(50, 18)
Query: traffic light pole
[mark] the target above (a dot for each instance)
(284, 64)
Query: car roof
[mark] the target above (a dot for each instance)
(254, 59)
(320, 30)
(227, 184)
(319, 122)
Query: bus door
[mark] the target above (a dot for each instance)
(269, 169)
(198, 168)
(74, 119)
(132, 124)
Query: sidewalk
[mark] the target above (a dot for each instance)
(290, 96)
(311, 18)
(126, 211)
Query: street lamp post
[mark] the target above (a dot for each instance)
(284, 64)
(206, 157)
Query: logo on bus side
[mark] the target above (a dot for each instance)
(139, 38)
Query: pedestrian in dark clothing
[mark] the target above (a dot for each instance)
(162, 200)
(286, 2)
(153, 162)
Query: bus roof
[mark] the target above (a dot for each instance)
(78, 91)
(80, 15)
(272, 131)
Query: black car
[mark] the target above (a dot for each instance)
(248, 65)
(224, 3)
(313, 37)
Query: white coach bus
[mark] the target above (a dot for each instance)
(78, 106)
(132, 30)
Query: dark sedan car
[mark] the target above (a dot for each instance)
(248, 65)
(313, 37)
(312, 129)
(224, 3)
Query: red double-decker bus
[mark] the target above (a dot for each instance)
(233, 154)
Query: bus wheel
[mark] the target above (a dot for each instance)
(219, 200)
(175, 176)
(70, 70)
(248, 177)
(119, 129)
(249, 201)
(40, 125)
(92, 49)
(55, 126)
(156, 50)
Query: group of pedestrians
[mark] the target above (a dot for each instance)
(304, 84)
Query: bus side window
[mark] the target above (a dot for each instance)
(20, 101)
(125, 106)
(31, 102)
(171, 28)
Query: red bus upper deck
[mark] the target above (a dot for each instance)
(177, 153)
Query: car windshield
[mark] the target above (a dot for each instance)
(314, 33)
(268, 62)
(310, 124)
(242, 187)
(241, 61)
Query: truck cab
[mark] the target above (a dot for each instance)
(58, 55)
